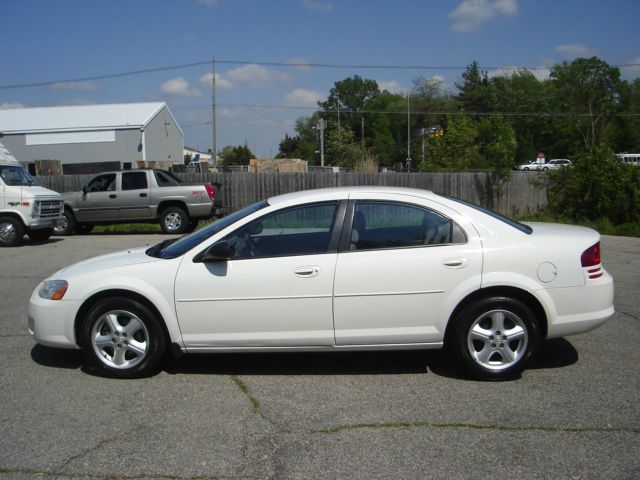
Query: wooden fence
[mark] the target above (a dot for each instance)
(518, 196)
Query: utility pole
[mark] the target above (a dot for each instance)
(408, 134)
(423, 133)
(321, 125)
(338, 103)
(214, 147)
(362, 134)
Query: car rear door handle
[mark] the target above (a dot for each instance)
(307, 271)
(456, 262)
(143, 194)
(113, 195)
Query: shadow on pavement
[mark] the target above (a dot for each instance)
(57, 357)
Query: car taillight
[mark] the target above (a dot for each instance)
(591, 256)
(210, 190)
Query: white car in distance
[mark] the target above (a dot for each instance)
(363, 268)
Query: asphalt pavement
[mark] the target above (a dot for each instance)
(575, 414)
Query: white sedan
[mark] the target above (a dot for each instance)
(362, 268)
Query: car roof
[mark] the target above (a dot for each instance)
(335, 193)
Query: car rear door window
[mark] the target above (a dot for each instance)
(134, 181)
(379, 225)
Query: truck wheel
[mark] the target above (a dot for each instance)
(84, 228)
(11, 232)
(174, 220)
(66, 226)
(193, 224)
(40, 235)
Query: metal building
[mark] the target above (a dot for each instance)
(93, 138)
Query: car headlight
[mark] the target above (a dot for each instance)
(53, 289)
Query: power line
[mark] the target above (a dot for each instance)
(401, 112)
(271, 64)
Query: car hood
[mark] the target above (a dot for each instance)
(108, 261)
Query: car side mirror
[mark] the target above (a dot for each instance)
(218, 252)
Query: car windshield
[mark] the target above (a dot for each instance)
(512, 223)
(15, 175)
(176, 248)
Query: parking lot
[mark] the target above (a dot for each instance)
(575, 414)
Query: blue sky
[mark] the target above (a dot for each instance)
(47, 40)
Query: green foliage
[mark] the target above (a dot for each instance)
(596, 187)
(239, 155)
(456, 150)
(498, 143)
(341, 148)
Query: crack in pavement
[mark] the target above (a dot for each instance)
(470, 426)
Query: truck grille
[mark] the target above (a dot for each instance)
(50, 208)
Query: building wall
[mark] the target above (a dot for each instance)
(164, 140)
(124, 149)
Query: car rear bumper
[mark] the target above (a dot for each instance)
(580, 309)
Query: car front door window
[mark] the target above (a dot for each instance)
(295, 231)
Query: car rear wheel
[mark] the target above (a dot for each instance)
(174, 220)
(11, 231)
(495, 338)
(122, 338)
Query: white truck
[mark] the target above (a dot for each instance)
(25, 206)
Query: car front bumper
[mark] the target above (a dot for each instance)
(51, 322)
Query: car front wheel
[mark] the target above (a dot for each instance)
(495, 338)
(122, 338)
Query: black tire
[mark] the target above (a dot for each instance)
(67, 226)
(174, 220)
(494, 338)
(193, 224)
(84, 228)
(11, 231)
(546, 169)
(106, 337)
(526, 169)
(40, 235)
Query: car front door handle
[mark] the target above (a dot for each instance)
(308, 271)
(456, 262)
(143, 194)
(113, 195)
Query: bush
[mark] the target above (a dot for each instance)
(596, 187)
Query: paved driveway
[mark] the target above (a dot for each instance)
(574, 415)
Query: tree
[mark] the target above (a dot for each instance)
(588, 89)
(456, 150)
(341, 148)
(240, 155)
(498, 146)
(288, 147)
(475, 94)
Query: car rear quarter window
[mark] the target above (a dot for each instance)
(379, 225)
(165, 180)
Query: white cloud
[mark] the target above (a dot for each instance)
(221, 83)
(633, 70)
(391, 86)
(574, 50)
(301, 97)
(470, 14)
(250, 75)
(317, 5)
(300, 64)
(209, 3)
(180, 88)
(541, 73)
(74, 87)
(10, 106)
